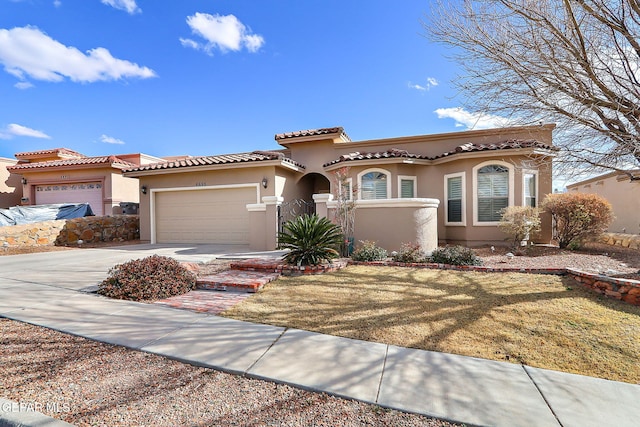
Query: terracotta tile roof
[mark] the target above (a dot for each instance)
(58, 151)
(256, 156)
(310, 132)
(112, 161)
(464, 148)
(510, 144)
(389, 154)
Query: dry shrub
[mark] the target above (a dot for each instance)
(152, 278)
(578, 217)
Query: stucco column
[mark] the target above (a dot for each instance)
(257, 235)
(321, 201)
(426, 220)
(271, 220)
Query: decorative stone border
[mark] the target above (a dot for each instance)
(277, 266)
(626, 290)
(621, 239)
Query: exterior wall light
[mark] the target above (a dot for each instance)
(24, 181)
(265, 182)
(143, 189)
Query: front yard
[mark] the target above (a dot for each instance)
(543, 321)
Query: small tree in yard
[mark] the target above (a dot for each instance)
(577, 217)
(520, 223)
(345, 211)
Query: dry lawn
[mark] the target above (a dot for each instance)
(542, 321)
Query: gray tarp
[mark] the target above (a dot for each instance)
(30, 214)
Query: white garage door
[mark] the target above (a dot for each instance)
(204, 216)
(79, 192)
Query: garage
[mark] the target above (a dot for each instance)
(203, 215)
(78, 192)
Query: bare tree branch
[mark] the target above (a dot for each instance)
(572, 62)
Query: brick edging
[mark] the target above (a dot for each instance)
(627, 290)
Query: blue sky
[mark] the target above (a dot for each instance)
(217, 76)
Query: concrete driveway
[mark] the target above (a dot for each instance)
(79, 269)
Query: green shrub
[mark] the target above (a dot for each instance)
(368, 251)
(520, 223)
(455, 255)
(577, 217)
(410, 253)
(151, 278)
(311, 240)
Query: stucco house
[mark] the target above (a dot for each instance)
(622, 192)
(61, 175)
(430, 189)
(10, 186)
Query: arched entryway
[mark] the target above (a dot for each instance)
(313, 183)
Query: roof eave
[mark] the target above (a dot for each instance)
(222, 166)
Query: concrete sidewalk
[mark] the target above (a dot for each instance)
(456, 388)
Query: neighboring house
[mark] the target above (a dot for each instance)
(10, 186)
(445, 188)
(61, 175)
(623, 194)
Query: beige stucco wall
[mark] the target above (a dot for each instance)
(430, 184)
(231, 176)
(123, 189)
(624, 196)
(115, 187)
(10, 185)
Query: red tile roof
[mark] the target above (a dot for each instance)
(311, 132)
(112, 161)
(256, 156)
(464, 148)
(58, 151)
(389, 154)
(510, 144)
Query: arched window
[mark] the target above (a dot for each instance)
(374, 185)
(493, 192)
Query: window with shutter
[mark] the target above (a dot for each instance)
(373, 186)
(493, 192)
(454, 199)
(530, 190)
(407, 187)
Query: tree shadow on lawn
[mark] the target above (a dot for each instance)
(488, 315)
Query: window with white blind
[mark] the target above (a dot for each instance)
(530, 190)
(492, 192)
(374, 185)
(407, 187)
(454, 187)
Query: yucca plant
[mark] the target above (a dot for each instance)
(311, 240)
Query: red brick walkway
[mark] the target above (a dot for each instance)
(204, 301)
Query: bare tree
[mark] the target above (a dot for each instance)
(572, 62)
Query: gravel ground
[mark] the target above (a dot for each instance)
(594, 257)
(94, 384)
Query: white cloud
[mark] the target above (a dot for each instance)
(18, 130)
(128, 6)
(431, 82)
(23, 85)
(27, 51)
(111, 140)
(221, 32)
(57, 3)
(469, 120)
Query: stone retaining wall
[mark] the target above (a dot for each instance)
(620, 239)
(623, 289)
(68, 231)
